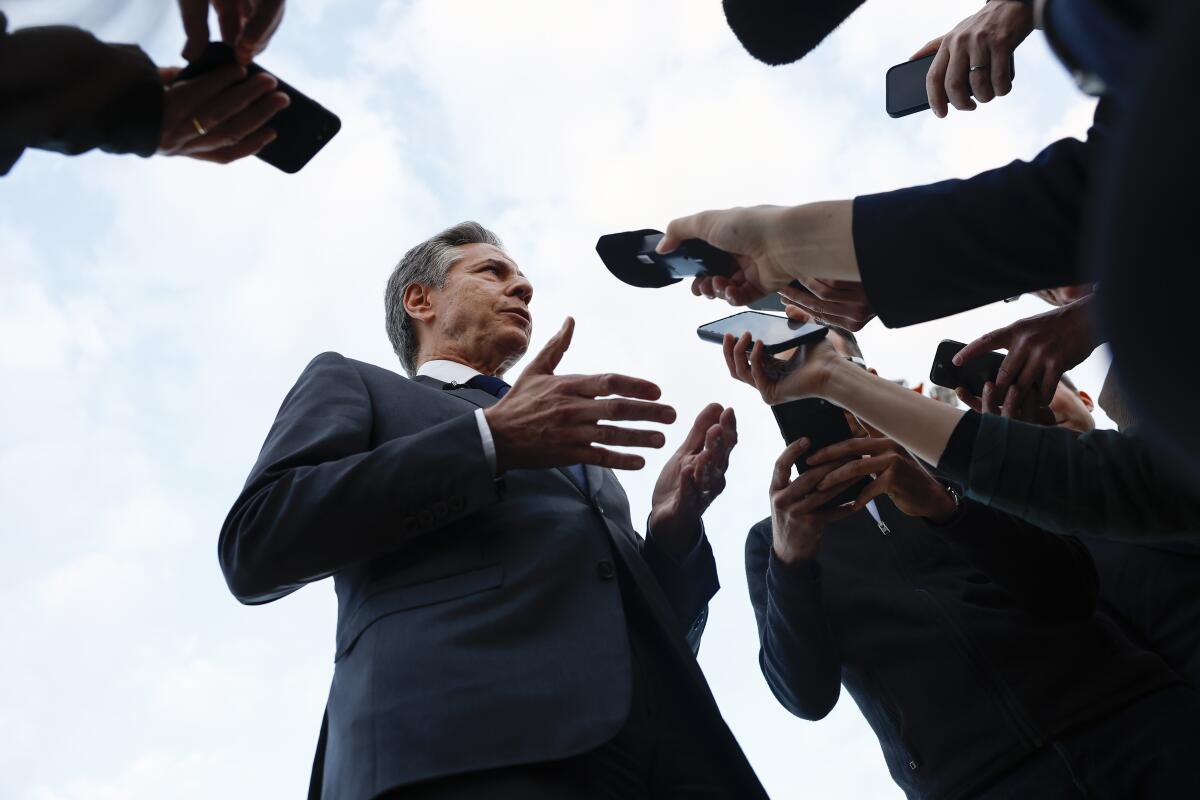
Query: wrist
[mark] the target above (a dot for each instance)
(946, 507)
(676, 533)
(817, 240)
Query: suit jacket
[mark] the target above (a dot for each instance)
(62, 89)
(480, 622)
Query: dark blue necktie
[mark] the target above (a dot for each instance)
(498, 388)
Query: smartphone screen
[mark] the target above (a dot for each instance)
(905, 87)
(776, 333)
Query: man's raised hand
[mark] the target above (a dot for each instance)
(550, 420)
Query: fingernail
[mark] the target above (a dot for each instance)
(282, 100)
(957, 360)
(804, 443)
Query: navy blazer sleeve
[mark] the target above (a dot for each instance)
(62, 89)
(796, 651)
(688, 584)
(321, 498)
(927, 252)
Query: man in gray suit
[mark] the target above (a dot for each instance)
(503, 629)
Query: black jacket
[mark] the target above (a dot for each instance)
(479, 624)
(967, 646)
(62, 89)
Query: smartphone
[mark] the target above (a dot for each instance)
(904, 86)
(776, 333)
(824, 424)
(303, 128)
(971, 375)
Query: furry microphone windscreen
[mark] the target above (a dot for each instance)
(782, 31)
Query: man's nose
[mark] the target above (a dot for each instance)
(522, 288)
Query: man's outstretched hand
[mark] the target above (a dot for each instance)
(550, 420)
(691, 479)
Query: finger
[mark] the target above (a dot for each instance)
(600, 457)
(546, 361)
(990, 399)
(935, 81)
(1002, 71)
(984, 344)
(740, 364)
(195, 27)
(872, 490)
(168, 74)
(681, 229)
(956, 78)
(758, 370)
(796, 313)
(799, 490)
(812, 502)
(728, 344)
(981, 79)
(834, 290)
(857, 468)
(1030, 377)
(968, 399)
(234, 100)
(230, 18)
(928, 48)
(241, 125)
(782, 472)
(1011, 401)
(708, 416)
(1050, 377)
(832, 515)
(620, 410)
(613, 384)
(703, 287)
(252, 145)
(848, 448)
(1011, 367)
(188, 96)
(260, 27)
(616, 436)
(729, 437)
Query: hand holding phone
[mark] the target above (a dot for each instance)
(776, 333)
(823, 424)
(302, 128)
(971, 376)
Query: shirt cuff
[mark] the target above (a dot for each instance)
(955, 462)
(485, 435)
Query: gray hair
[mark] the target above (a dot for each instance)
(427, 264)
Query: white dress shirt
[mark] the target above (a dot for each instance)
(453, 372)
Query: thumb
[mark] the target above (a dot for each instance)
(679, 231)
(989, 341)
(546, 361)
(930, 47)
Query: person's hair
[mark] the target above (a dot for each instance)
(1070, 383)
(849, 338)
(427, 264)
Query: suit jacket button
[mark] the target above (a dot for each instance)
(606, 570)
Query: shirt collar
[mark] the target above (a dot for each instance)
(447, 371)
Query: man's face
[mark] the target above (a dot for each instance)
(1072, 410)
(481, 315)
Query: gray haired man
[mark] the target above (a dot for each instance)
(503, 628)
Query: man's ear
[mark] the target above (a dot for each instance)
(418, 302)
(1087, 401)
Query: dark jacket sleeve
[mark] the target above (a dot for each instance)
(927, 252)
(796, 652)
(320, 498)
(1101, 483)
(688, 583)
(1049, 575)
(62, 89)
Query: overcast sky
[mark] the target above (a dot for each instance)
(153, 313)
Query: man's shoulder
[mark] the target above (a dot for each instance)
(331, 359)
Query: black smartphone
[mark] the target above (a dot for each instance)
(971, 375)
(824, 424)
(303, 128)
(904, 86)
(777, 333)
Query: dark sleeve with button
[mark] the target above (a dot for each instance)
(62, 89)
(1049, 575)
(796, 651)
(688, 584)
(1102, 483)
(321, 498)
(927, 252)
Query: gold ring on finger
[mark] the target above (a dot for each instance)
(200, 129)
